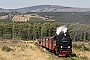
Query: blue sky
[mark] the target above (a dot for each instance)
(11, 4)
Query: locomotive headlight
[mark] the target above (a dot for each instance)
(68, 46)
(61, 47)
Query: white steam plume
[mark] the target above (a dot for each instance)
(61, 29)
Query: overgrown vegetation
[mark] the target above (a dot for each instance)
(81, 47)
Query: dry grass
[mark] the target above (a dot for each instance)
(82, 53)
(23, 52)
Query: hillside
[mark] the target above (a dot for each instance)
(46, 8)
(19, 50)
(68, 17)
(4, 10)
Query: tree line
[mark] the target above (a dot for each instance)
(32, 31)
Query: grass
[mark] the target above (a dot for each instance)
(81, 47)
(2, 58)
(54, 57)
(23, 52)
(32, 51)
(7, 49)
(82, 50)
(76, 58)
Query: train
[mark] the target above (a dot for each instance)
(60, 45)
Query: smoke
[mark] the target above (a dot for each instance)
(61, 29)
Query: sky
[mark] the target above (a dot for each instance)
(13, 4)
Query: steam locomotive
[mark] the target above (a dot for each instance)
(61, 44)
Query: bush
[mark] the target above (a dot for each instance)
(84, 58)
(74, 45)
(89, 43)
(77, 46)
(5, 48)
(82, 47)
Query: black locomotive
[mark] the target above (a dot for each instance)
(60, 44)
(63, 44)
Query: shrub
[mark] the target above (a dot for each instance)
(84, 58)
(81, 47)
(74, 45)
(5, 48)
(89, 43)
(22, 49)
